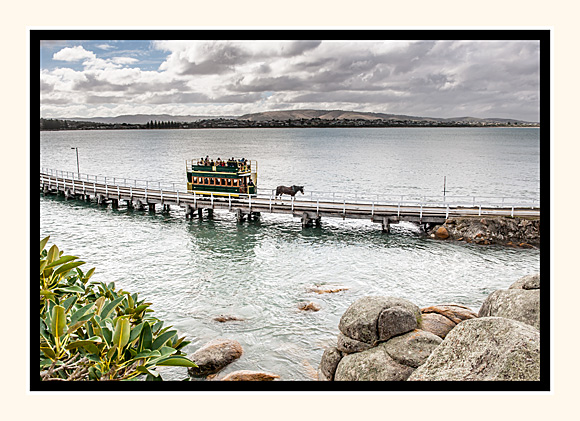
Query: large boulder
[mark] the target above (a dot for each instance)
(527, 282)
(491, 348)
(520, 302)
(412, 349)
(330, 359)
(374, 364)
(214, 356)
(373, 319)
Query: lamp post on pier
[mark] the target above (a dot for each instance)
(78, 168)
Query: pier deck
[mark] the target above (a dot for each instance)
(310, 208)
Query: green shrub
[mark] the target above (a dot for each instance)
(90, 331)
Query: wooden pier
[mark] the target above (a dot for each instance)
(146, 195)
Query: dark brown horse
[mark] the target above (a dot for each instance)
(280, 190)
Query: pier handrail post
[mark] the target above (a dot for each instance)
(177, 197)
(373, 208)
(229, 201)
(211, 195)
(194, 200)
(292, 203)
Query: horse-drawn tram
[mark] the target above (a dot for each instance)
(230, 177)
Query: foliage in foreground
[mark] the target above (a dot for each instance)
(89, 331)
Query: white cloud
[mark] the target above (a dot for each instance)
(77, 53)
(124, 60)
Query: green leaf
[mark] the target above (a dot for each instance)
(145, 370)
(80, 313)
(136, 331)
(61, 261)
(99, 304)
(52, 254)
(122, 333)
(43, 243)
(146, 338)
(107, 335)
(48, 352)
(88, 274)
(110, 307)
(69, 302)
(88, 344)
(72, 288)
(58, 321)
(42, 266)
(166, 351)
(176, 360)
(160, 340)
(47, 293)
(67, 267)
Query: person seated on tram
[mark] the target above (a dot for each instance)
(251, 183)
(211, 163)
(218, 162)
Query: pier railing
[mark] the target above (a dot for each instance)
(317, 198)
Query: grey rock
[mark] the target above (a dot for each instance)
(527, 282)
(214, 356)
(374, 364)
(396, 321)
(412, 349)
(491, 348)
(517, 304)
(330, 359)
(360, 320)
(322, 377)
(349, 345)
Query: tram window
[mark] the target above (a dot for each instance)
(236, 182)
(223, 181)
(194, 180)
(229, 182)
(211, 181)
(206, 181)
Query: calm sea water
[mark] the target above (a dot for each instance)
(261, 271)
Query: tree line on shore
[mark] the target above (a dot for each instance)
(58, 124)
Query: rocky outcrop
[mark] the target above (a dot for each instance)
(371, 319)
(520, 302)
(214, 356)
(517, 232)
(250, 376)
(308, 307)
(440, 319)
(380, 340)
(222, 318)
(328, 289)
(490, 348)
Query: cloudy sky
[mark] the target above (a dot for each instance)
(420, 78)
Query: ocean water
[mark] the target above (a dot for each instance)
(263, 270)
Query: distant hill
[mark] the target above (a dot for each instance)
(144, 118)
(357, 115)
(287, 115)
